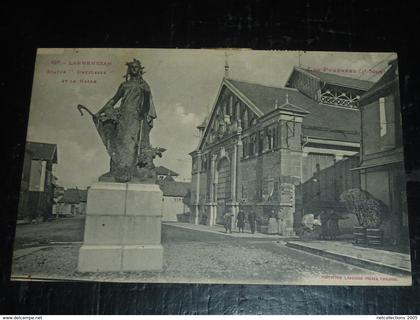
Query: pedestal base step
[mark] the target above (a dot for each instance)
(95, 258)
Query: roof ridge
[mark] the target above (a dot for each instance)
(329, 129)
(334, 74)
(46, 143)
(264, 85)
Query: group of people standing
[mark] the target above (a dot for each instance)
(329, 224)
(240, 221)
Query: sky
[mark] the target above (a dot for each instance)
(184, 85)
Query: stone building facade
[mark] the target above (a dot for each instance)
(382, 161)
(260, 143)
(37, 185)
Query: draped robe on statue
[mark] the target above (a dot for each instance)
(125, 129)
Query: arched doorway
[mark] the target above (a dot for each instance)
(223, 187)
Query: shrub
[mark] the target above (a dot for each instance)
(369, 211)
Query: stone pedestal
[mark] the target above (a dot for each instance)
(122, 228)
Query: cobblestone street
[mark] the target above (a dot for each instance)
(189, 256)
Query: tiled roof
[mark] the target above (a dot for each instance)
(339, 135)
(291, 107)
(83, 195)
(74, 196)
(338, 80)
(175, 189)
(161, 170)
(388, 78)
(42, 151)
(323, 121)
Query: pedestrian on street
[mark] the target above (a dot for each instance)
(240, 221)
(227, 218)
(324, 216)
(252, 220)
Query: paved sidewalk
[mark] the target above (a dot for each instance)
(221, 231)
(19, 253)
(369, 258)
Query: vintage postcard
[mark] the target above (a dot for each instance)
(214, 166)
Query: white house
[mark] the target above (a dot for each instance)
(173, 195)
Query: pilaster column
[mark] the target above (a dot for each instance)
(212, 190)
(234, 172)
(197, 189)
(234, 187)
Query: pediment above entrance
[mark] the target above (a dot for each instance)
(229, 116)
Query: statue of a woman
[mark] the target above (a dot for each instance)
(125, 129)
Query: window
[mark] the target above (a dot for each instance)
(204, 163)
(245, 119)
(252, 144)
(237, 110)
(387, 122)
(245, 147)
(244, 192)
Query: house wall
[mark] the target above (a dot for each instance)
(171, 207)
(371, 141)
(33, 204)
(383, 174)
(323, 190)
(82, 208)
(23, 206)
(381, 126)
(36, 196)
(377, 183)
(66, 209)
(311, 162)
(37, 175)
(387, 183)
(26, 171)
